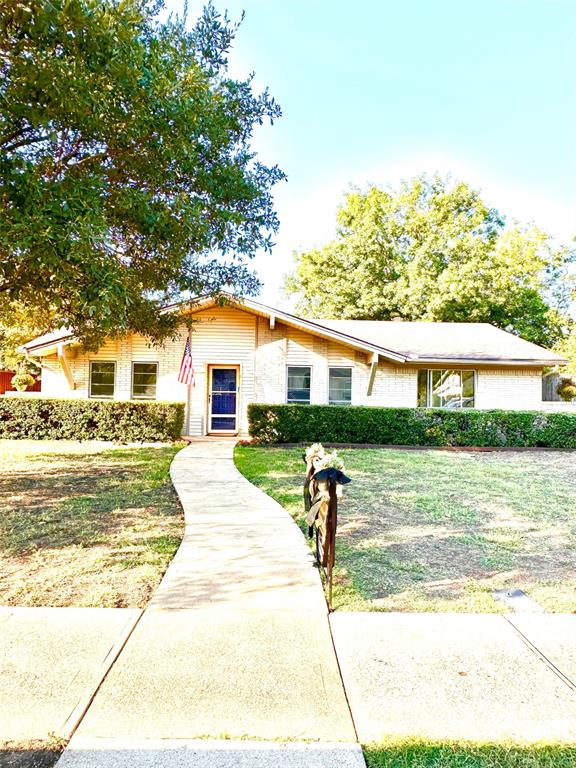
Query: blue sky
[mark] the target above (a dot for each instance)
(373, 92)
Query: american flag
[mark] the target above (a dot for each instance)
(186, 373)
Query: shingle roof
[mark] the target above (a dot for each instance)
(478, 342)
(417, 341)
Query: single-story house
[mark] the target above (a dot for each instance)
(245, 352)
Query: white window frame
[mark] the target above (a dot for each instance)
(142, 397)
(430, 371)
(299, 402)
(102, 397)
(341, 402)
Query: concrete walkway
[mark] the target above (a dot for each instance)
(234, 645)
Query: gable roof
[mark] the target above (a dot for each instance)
(402, 342)
(315, 327)
(445, 342)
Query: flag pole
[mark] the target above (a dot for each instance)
(189, 388)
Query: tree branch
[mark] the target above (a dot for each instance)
(15, 134)
(25, 142)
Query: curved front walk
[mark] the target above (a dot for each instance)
(234, 645)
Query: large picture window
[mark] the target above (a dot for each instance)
(340, 386)
(298, 384)
(446, 388)
(102, 377)
(144, 377)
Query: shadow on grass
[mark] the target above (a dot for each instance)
(29, 754)
(82, 499)
(425, 754)
(422, 530)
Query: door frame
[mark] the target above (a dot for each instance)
(219, 366)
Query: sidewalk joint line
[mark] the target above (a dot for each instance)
(341, 677)
(85, 701)
(542, 656)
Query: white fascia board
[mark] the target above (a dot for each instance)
(479, 362)
(47, 348)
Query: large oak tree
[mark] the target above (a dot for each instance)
(434, 250)
(127, 177)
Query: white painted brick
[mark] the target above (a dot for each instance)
(515, 390)
(225, 335)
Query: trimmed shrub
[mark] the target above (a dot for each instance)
(34, 418)
(567, 389)
(410, 426)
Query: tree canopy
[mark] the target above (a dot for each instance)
(434, 250)
(127, 177)
(18, 325)
(567, 348)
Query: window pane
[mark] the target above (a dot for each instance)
(467, 389)
(222, 423)
(102, 379)
(452, 389)
(340, 385)
(224, 402)
(436, 400)
(223, 380)
(144, 376)
(298, 384)
(422, 388)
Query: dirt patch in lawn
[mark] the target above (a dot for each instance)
(430, 530)
(30, 754)
(85, 524)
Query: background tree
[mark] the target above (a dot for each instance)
(18, 325)
(435, 251)
(566, 382)
(567, 348)
(126, 173)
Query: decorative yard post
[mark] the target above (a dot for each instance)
(322, 487)
(314, 458)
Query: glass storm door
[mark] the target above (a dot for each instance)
(223, 398)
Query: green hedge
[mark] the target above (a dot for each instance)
(53, 419)
(410, 426)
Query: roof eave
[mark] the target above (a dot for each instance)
(515, 362)
(32, 349)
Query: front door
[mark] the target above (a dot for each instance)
(223, 399)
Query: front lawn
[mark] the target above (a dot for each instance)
(429, 530)
(421, 754)
(85, 524)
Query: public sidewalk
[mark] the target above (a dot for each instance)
(471, 677)
(234, 645)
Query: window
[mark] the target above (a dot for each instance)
(144, 376)
(340, 386)
(298, 386)
(446, 389)
(102, 376)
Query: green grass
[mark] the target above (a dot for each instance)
(430, 530)
(86, 524)
(422, 754)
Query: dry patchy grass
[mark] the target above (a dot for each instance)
(85, 524)
(431, 530)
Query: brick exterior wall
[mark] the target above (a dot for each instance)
(227, 336)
